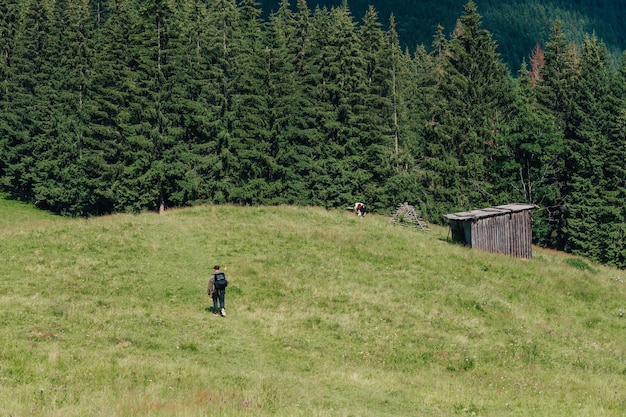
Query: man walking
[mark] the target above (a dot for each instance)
(217, 290)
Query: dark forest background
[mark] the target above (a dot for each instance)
(126, 105)
(516, 25)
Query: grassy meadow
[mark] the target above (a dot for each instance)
(327, 315)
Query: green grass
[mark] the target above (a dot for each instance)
(14, 213)
(328, 315)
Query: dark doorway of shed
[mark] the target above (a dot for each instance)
(461, 232)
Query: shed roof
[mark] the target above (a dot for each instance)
(489, 212)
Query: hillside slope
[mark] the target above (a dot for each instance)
(328, 315)
(17, 214)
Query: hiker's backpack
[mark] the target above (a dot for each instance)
(220, 282)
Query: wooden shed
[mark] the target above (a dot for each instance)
(502, 229)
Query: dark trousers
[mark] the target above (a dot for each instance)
(218, 296)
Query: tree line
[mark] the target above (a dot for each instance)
(126, 105)
(517, 25)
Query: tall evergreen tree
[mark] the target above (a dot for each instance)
(221, 51)
(285, 103)
(464, 139)
(338, 72)
(409, 100)
(593, 210)
(553, 76)
(14, 96)
(74, 66)
(252, 144)
(377, 116)
(294, 110)
(146, 124)
(615, 239)
(181, 40)
(537, 155)
(318, 111)
(43, 161)
(192, 156)
(106, 106)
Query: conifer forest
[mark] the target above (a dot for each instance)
(111, 106)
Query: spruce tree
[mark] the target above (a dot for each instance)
(340, 82)
(465, 135)
(146, 124)
(192, 157)
(537, 155)
(251, 141)
(593, 210)
(615, 168)
(556, 88)
(319, 110)
(284, 104)
(221, 51)
(409, 99)
(300, 151)
(14, 96)
(44, 167)
(106, 104)
(376, 117)
(413, 95)
(74, 68)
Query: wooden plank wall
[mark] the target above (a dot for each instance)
(509, 234)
